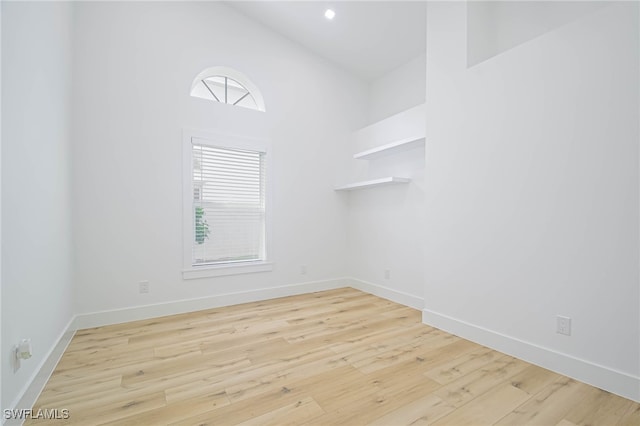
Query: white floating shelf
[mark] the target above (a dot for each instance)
(391, 180)
(390, 148)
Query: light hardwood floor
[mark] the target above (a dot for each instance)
(339, 357)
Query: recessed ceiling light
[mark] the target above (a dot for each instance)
(329, 14)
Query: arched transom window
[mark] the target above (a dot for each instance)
(228, 86)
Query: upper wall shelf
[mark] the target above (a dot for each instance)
(390, 180)
(390, 148)
(407, 129)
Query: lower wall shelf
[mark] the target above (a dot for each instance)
(390, 180)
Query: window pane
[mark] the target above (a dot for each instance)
(216, 85)
(234, 234)
(223, 89)
(201, 91)
(235, 94)
(235, 91)
(248, 102)
(229, 211)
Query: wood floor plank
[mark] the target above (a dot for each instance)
(211, 373)
(334, 388)
(291, 414)
(54, 395)
(458, 367)
(393, 397)
(108, 409)
(277, 380)
(414, 350)
(338, 357)
(474, 384)
(174, 412)
(565, 422)
(597, 407)
(422, 411)
(381, 338)
(632, 416)
(550, 405)
(487, 408)
(533, 379)
(243, 410)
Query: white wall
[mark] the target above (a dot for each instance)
(401, 89)
(385, 224)
(531, 188)
(134, 66)
(497, 26)
(36, 205)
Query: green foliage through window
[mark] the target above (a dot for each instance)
(202, 227)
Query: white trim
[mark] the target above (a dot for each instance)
(389, 180)
(609, 379)
(400, 297)
(30, 392)
(228, 140)
(614, 381)
(226, 269)
(117, 316)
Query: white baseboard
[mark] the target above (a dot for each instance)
(29, 394)
(387, 293)
(603, 377)
(614, 381)
(135, 313)
(32, 389)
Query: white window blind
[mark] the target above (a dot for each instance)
(228, 205)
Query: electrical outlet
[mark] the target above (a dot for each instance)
(20, 352)
(387, 274)
(563, 325)
(144, 286)
(303, 270)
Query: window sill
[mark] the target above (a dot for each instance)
(222, 270)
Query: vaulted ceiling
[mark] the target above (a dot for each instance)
(367, 38)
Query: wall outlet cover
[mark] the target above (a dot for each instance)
(563, 325)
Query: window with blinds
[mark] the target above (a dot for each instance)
(228, 208)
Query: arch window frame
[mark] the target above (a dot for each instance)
(208, 77)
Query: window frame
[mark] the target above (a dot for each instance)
(236, 75)
(210, 86)
(221, 140)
